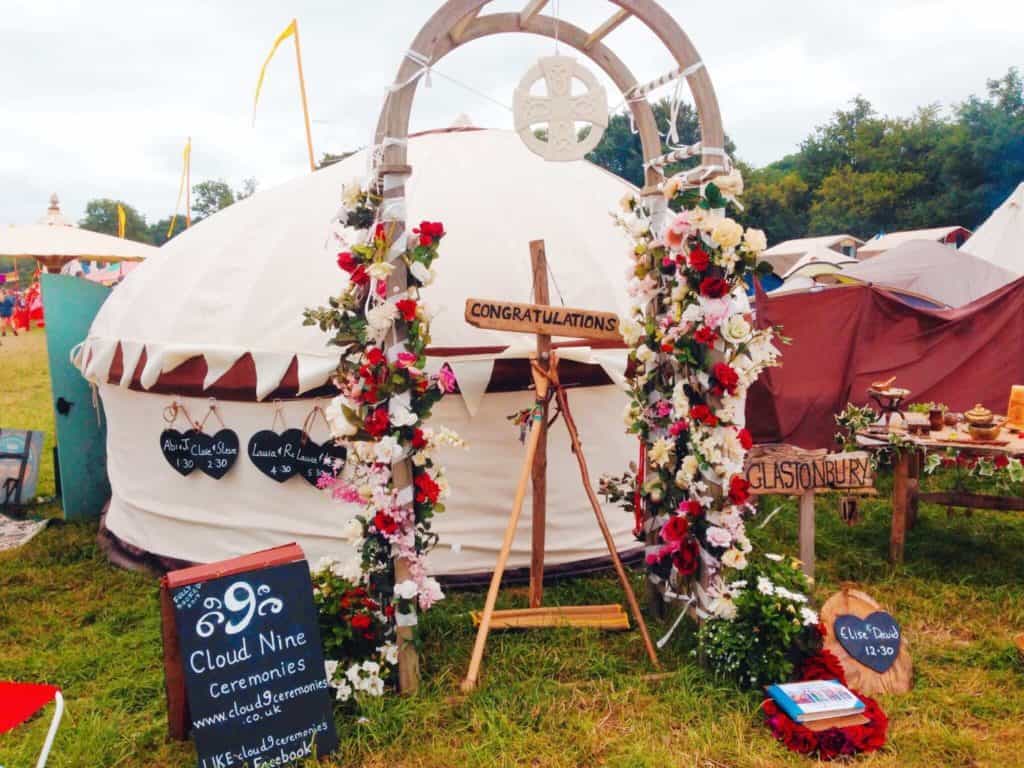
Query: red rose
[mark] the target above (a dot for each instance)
(377, 423)
(361, 621)
(800, 739)
(692, 508)
(746, 440)
(381, 232)
(699, 260)
(739, 490)
(374, 356)
(385, 524)
(430, 232)
(346, 261)
(726, 377)
(427, 489)
(822, 666)
(407, 308)
(705, 336)
(1001, 461)
(704, 415)
(833, 743)
(419, 440)
(359, 275)
(687, 558)
(713, 287)
(675, 529)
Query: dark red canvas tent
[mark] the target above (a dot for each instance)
(845, 338)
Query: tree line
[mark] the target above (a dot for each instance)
(863, 173)
(208, 197)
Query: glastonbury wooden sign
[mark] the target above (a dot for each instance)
(787, 471)
(543, 319)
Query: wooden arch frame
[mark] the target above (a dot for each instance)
(458, 22)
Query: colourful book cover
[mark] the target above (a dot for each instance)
(815, 699)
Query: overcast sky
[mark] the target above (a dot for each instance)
(98, 96)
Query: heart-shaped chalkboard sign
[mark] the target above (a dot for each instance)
(177, 449)
(275, 454)
(315, 459)
(873, 642)
(215, 454)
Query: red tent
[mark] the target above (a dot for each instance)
(845, 338)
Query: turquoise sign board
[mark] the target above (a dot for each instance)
(71, 304)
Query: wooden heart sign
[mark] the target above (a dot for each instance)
(315, 459)
(177, 449)
(276, 454)
(868, 642)
(216, 454)
(874, 641)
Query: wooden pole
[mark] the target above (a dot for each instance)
(807, 533)
(539, 475)
(577, 448)
(900, 493)
(302, 90)
(188, 184)
(473, 674)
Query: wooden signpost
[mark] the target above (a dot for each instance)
(868, 642)
(784, 470)
(545, 321)
(243, 661)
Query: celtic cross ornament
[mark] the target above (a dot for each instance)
(559, 111)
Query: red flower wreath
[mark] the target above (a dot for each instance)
(835, 742)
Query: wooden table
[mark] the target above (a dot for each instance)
(906, 484)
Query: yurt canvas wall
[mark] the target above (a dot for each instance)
(218, 313)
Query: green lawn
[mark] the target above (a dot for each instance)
(558, 698)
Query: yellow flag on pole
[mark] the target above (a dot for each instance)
(186, 159)
(122, 221)
(288, 32)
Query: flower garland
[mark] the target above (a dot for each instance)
(694, 354)
(385, 396)
(833, 742)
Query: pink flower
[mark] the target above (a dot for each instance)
(677, 232)
(715, 311)
(678, 428)
(407, 360)
(446, 379)
(664, 409)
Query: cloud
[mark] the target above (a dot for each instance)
(99, 97)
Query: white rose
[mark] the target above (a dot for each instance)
(723, 607)
(718, 537)
(388, 450)
(636, 226)
(755, 240)
(733, 558)
(400, 415)
(381, 318)
(352, 532)
(351, 192)
(406, 590)
(693, 313)
(341, 427)
(644, 354)
(736, 330)
(631, 331)
(727, 234)
(351, 570)
(730, 185)
(421, 273)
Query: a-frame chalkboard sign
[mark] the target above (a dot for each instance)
(244, 665)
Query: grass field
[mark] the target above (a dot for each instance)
(555, 698)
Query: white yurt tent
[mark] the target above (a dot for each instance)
(1000, 240)
(217, 313)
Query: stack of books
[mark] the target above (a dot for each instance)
(819, 704)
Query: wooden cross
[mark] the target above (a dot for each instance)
(545, 320)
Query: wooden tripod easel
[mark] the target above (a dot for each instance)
(544, 320)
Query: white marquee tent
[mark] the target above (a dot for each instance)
(223, 302)
(1000, 240)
